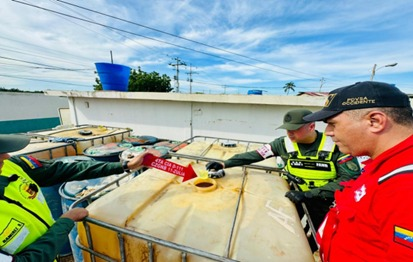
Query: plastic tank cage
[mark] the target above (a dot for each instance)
(203, 148)
(121, 232)
(241, 217)
(43, 149)
(82, 136)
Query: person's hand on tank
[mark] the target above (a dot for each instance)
(214, 165)
(298, 196)
(216, 174)
(215, 169)
(76, 214)
(137, 161)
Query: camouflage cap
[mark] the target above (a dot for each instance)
(11, 143)
(293, 119)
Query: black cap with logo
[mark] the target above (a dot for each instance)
(366, 94)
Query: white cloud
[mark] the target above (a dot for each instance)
(300, 41)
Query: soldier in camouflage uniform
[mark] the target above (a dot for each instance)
(312, 160)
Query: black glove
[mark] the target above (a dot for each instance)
(216, 174)
(298, 196)
(213, 165)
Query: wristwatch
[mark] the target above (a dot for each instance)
(125, 166)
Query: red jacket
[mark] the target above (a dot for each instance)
(373, 216)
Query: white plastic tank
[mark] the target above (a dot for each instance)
(242, 219)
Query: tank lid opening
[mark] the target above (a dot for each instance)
(205, 184)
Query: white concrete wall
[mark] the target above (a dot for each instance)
(19, 106)
(181, 116)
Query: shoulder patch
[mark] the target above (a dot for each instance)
(265, 151)
(353, 166)
(32, 162)
(403, 236)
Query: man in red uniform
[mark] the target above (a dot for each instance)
(372, 219)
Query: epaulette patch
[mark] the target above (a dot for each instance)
(403, 236)
(32, 162)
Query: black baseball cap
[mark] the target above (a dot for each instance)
(11, 143)
(293, 119)
(360, 95)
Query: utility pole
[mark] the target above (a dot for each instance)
(190, 78)
(374, 70)
(176, 65)
(322, 80)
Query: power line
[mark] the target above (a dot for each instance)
(44, 66)
(154, 39)
(31, 54)
(104, 35)
(184, 38)
(46, 81)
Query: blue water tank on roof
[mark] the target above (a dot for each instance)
(255, 92)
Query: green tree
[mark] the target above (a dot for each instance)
(16, 90)
(289, 86)
(140, 81)
(98, 85)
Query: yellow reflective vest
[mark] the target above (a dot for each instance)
(24, 215)
(316, 171)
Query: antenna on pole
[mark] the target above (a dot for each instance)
(322, 81)
(190, 78)
(176, 65)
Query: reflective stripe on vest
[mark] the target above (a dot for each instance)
(18, 227)
(5, 258)
(316, 170)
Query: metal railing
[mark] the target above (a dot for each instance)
(151, 240)
(227, 141)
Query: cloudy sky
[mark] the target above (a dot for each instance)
(227, 46)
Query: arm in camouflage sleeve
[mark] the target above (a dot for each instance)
(51, 172)
(47, 246)
(243, 159)
(264, 152)
(347, 168)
